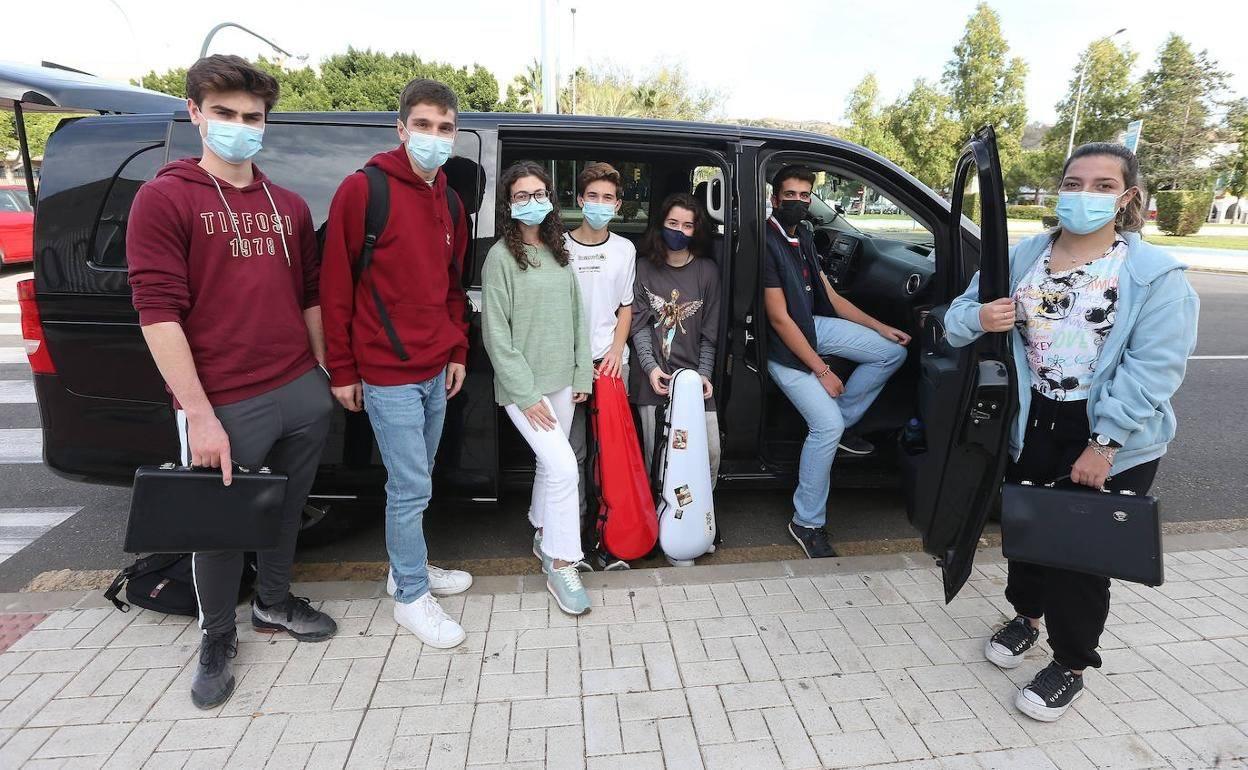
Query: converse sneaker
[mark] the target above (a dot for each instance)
(295, 616)
(564, 583)
(813, 540)
(429, 622)
(442, 582)
(1050, 693)
(1008, 645)
(214, 678)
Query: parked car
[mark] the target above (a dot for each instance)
(17, 226)
(105, 410)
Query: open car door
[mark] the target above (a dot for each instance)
(967, 397)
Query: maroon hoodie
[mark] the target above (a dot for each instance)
(235, 266)
(416, 268)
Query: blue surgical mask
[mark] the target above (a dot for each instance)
(532, 213)
(1086, 212)
(428, 151)
(233, 142)
(598, 215)
(676, 240)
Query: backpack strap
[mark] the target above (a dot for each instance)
(376, 212)
(454, 205)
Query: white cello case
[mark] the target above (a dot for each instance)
(686, 506)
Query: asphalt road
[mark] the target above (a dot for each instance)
(1202, 479)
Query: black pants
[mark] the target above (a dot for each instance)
(1073, 604)
(284, 429)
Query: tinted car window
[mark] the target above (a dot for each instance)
(109, 244)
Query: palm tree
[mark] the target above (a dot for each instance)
(528, 87)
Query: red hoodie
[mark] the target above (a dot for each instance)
(416, 268)
(235, 266)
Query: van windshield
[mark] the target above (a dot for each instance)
(823, 214)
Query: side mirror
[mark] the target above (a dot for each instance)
(839, 208)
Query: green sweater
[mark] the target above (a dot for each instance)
(533, 326)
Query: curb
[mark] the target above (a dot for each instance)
(49, 601)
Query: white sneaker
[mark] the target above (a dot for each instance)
(429, 622)
(447, 582)
(442, 582)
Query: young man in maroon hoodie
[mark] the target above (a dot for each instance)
(223, 268)
(397, 336)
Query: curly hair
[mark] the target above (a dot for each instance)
(551, 229)
(652, 245)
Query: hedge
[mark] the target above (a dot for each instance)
(1028, 212)
(1182, 212)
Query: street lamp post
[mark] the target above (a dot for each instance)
(574, 68)
(1074, 118)
(133, 38)
(203, 50)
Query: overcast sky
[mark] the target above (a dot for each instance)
(792, 59)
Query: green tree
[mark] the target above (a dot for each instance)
(39, 126)
(663, 92)
(524, 93)
(1235, 165)
(869, 124)
(927, 134)
(1178, 96)
(1036, 169)
(985, 85)
(1110, 99)
(358, 80)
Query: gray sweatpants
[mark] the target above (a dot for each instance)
(284, 429)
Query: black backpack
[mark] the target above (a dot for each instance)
(162, 582)
(376, 213)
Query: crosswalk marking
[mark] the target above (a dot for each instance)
(10, 329)
(21, 445)
(10, 355)
(17, 392)
(19, 527)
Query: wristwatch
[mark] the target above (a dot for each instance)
(1100, 439)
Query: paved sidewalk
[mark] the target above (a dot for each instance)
(847, 663)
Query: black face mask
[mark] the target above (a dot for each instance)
(789, 213)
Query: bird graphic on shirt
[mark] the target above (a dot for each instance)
(670, 316)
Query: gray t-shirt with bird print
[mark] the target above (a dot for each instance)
(675, 323)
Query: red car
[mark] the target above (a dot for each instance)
(17, 226)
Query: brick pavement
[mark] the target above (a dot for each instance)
(852, 664)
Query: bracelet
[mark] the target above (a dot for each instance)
(1106, 452)
(824, 373)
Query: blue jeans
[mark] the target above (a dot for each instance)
(827, 417)
(407, 421)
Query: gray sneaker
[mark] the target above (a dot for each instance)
(295, 616)
(214, 675)
(564, 583)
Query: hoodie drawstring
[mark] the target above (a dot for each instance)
(281, 227)
(242, 245)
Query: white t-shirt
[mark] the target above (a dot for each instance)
(605, 273)
(1064, 319)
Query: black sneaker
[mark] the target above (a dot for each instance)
(1050, 693)
(1008, 645)
(853, 444)
(213, 682)
(813, 540)
(295, 616)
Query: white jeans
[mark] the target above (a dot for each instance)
(555, 508)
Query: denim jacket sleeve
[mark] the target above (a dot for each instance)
(1154, 361)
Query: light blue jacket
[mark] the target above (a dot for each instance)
(1142, 362)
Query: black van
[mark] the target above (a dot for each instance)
(105, 411)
